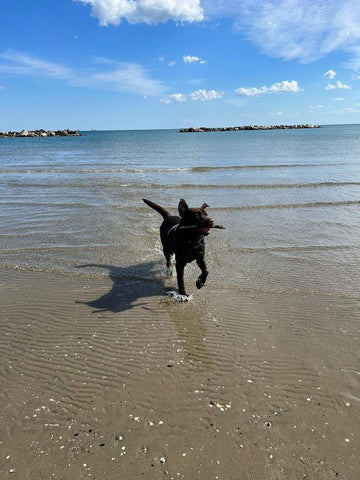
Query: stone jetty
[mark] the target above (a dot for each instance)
(246, 127)
(41, 133)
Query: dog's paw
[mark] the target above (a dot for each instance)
(180, 298)
(199, 283)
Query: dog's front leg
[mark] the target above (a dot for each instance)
(204, 273)
(180, 266)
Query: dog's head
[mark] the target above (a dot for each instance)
(197, 218)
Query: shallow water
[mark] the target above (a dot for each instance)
(289, 200)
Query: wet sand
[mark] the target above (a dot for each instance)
(105, 378)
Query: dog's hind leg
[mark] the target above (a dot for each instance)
(166, 247)
(167, 254)
(204, 273)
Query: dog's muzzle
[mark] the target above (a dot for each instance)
(205, 228)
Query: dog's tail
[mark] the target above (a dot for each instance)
(164, 213)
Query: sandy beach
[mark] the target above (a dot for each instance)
(104, 379)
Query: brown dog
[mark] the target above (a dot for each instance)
(184, 237)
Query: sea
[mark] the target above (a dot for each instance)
(289, 199)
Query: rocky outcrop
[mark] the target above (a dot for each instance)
(246, 127)
(41, 133)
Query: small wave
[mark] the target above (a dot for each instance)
(162, 186)
(265, 166)
(225, 209)
(78, 170)
(47, 204)
(54, 248)
(290, 205)
(194, 169)
(297, 248)
(268, 185)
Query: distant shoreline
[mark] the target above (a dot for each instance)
(246, 127)
(40, 133)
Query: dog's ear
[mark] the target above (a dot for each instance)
(183, 207)
(204, 205)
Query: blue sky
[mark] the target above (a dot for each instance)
(138, 64)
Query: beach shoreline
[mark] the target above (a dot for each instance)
(233, 385)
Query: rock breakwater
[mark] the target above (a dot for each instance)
(41, 133)
(246, 127)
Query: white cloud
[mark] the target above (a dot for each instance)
(338, 84)
(294, 29)
(339, 99)
(330, 74)
(190, 58)
(354, 63)
(21, 63)
(193, 59)
(145, 11)
(176, 97)
(120, 77)
(281, 87)
(198, 95)
(205, 95)
(126, 78)
(172, 63)
(343, 86)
